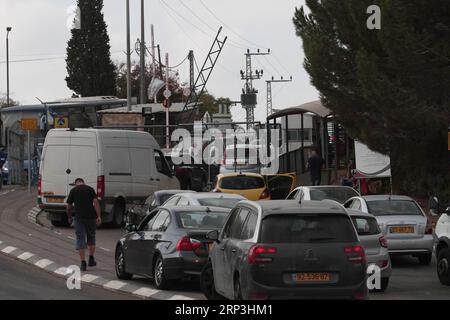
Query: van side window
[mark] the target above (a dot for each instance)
(161, 164)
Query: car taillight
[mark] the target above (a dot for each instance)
(188, 244)
(255, 252)
(101, 187)
(40, 185)
(357, 254)
(264, 194)
(429, 227)
(383, 242)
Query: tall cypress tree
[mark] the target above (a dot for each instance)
(90, 69)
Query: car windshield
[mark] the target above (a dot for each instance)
(393, 208)
(366, 226)
(337, 194)
(307, 229)
(201, 220)
(219, 202)
(242, 183)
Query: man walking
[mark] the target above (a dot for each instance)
(315, 163)
(86, 218)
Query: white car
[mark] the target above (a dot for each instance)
(336, 193)
(205, 199)
(407, 229)
(122, 166)
(442, 232)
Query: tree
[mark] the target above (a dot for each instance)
(3, 102)
(89, 66)
(388, 87)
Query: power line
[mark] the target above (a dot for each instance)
(60, 57)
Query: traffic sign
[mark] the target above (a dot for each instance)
(61, 122)
(29, 124)
(167, 93)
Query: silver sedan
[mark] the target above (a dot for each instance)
(374, 243)
(407, 229)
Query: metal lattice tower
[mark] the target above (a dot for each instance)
(248, 97)
(269, 92)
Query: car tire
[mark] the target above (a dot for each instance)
(159, 277)
(443, 266)
(207, 283)
(120, 265)
(384, 284)
(118, 215)
(237, 289)
(63, 223)
(425, 259)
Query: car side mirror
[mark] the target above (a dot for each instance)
(213, 235)
(131, 228)
(433, 204)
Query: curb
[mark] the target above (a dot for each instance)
(33, 216)
(97, 281)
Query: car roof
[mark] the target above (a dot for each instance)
(357, 213)
(327, 187)
(386, 197)
(159, 192)
(297, 207)
(235, 174)
(211, 195)
(196, 209)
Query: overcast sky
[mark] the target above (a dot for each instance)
(40, 32)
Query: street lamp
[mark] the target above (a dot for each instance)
(8, 30)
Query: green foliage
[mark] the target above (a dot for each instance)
(388, 87)
(89, 66)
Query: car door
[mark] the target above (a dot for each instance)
(133, 244)
(218, 254)
(231, 251)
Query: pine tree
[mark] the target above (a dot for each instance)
(388, 87)
(89, 66)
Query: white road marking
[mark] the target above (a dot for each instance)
(146, 292)
(88, 278)
(178, 297)
(104, 249)
(8, 250)
(71, 238)
(113, 284)
(62, 271)
(43, 263)
(25, 256)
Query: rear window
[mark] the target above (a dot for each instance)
(393, 207)
(242, 183)
(201, 220)
(337, 194)
(222, 203)
(366, 226)
(307, 229)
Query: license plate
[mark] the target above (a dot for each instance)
(312, 277)
(55, 200)
(407, 229)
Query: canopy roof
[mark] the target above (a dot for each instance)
(315, 107)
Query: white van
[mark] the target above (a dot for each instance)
(122, 166)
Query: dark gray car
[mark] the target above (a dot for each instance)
(169, 244)
(286, 250)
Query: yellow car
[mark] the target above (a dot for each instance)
(255, 186)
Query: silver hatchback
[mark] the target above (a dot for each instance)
(407, 229)
(374, 243)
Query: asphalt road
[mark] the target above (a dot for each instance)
(21, 281)
(409, 280)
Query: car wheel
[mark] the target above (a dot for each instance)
(425, 259)
(159, 277)
(237, 289)
(120, 265)
(63, 223)
(118, 215)
(207, 283)
(443, 266)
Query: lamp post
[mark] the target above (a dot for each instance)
(8, 30)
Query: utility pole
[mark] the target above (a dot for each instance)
(191, 70)
(8, 30)
(160, 62)
(248, 97)
(128, 57)
(143, 48)
(167, 103)
(153, 57)
(269, 92)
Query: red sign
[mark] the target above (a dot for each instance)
(167, 103)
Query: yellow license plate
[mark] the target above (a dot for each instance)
(408, 229)
(55, 200)
(312, 277)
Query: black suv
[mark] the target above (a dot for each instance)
(286, 250)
